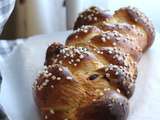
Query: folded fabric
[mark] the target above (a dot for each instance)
(3, 116)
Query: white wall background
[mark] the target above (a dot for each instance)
(47, 16)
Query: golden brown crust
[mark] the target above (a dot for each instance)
(140, 19)
(122, 70)
(82, 91)
(83, 34)
(107, 38)
(59, 95)
(56, 90)
(70, 56)
(127, 15)
(93, 75)
(112, 106)
(115, 39)
(130, 32)
(91, 16)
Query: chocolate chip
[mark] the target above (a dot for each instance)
(93, 77)
(107, 79)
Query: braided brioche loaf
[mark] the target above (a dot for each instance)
(93, 75)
